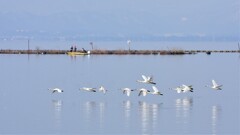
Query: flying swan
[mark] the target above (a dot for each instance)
(148, 80)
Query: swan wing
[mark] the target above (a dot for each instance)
(144, 77)
(54, 91)
(91, 89)
(179, 90)
(214, 83)
(144, 93)
(140, 93)
(150, 78)
(185, 90)
(85, 88)
(189, 86)
(128, 92)
(155, 89)
(101, 88)
(125, 90)
(128, 89)
(57, 90)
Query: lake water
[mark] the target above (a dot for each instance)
(28, 107)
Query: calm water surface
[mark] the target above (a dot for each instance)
(27, 106)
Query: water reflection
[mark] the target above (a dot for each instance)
(183, 107)
(102, 108)
(127, 112)
(149, 114)
(73, 58)
(216, 111)
(82, 57)
(57, 105)
(95, 113)
(89, 109)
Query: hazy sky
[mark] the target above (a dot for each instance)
(122, 17)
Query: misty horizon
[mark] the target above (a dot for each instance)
(122, 20)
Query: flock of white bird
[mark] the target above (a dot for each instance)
(143, 92)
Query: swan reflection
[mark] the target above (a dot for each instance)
(102, 108)
(216, 111)
(127, 112)
(92, 111)
(183, 111)
(57, 106)
(90, 107)
(149, 114)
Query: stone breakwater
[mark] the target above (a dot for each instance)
(120, 52)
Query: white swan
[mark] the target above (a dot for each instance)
(156, 91)
(215, 85)
(178, 89)
(88, 89)
(186, 88)
(56, 90)
(143, 92)
(148, 80)
(127, 91)
(183, 88)
(102, 89)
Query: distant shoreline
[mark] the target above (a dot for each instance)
(120, 52)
